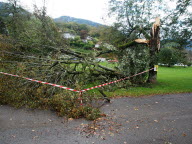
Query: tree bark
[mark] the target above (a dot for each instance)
(154, 45)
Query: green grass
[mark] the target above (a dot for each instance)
(108, 64)
(81, 50)
(169, 80)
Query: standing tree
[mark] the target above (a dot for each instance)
(134, 16)
(48, 32)
(177, 23)
(134, 19)
(154, 45)
(16, 18)
(3, 28)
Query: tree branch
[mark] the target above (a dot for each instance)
(105, 52)
(106, 68)
(71, 53)
(124, 46)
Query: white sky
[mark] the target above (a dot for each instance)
(94, 10)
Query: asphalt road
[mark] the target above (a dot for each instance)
(161, 119)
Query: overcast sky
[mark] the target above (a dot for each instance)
(94, 10)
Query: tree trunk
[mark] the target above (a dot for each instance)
(154, 46)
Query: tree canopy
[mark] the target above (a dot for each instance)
(133, 18)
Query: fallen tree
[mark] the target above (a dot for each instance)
(76, 70)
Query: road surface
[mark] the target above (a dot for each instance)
(161, 119)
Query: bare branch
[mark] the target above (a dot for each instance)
(71, 53)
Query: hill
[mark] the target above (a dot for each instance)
(77, 20)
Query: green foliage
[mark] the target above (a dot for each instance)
(31, 50)
(77, 42)
(189, 64)
(47, 31)
(19, 92)
(3, 28)
(133, 16)
(15, 17)
(168, 56)
(30, 31)
(177, 23)
(51, 60)
(95, 32)
(81, 32)
(171, 54)
(65, 104)
(89, 45)
(70, 106)
(133, 60)
(74, 28)
(112, 35)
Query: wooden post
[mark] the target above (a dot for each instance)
(154, 46)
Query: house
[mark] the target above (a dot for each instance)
(115, 60)
(88, 38)
(68, 36)
(97, 45)
(100, 59)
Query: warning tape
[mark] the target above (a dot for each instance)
(70, 89)
(114, 81)
(55, 85)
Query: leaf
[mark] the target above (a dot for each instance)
(156, 121)
(35, 137)
(112, 134)
(70, 119)
(184, 135)
(136, 109)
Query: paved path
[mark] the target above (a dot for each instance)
(161, 119)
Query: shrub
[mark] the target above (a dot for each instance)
(189, 64)
(168, 56)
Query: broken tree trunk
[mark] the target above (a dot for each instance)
(154, 46)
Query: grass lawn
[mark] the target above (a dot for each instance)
(170, 80)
